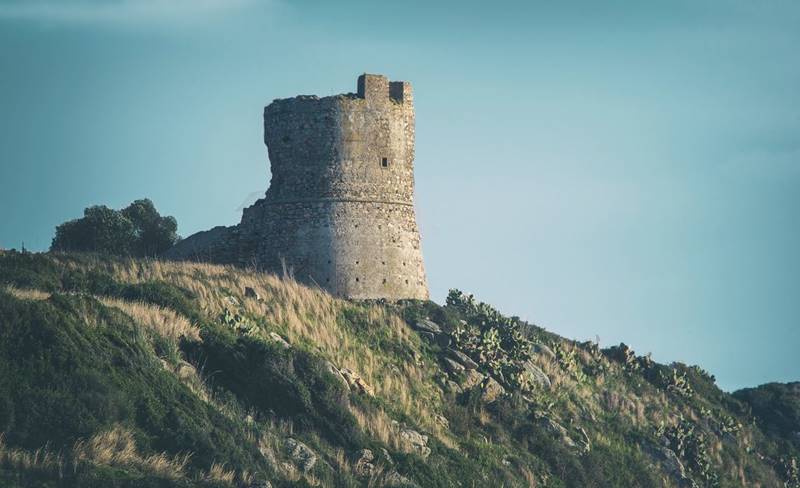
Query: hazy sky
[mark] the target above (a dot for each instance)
(629, 170)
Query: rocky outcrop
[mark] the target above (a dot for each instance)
(542, 350)
(462, 359)
(363, 462)
(452, 366)
(472, 378)
(301, 455)
(492, 390)
(337, 374)
(432, 332)
(356, 382)
(275, 337)
(669, 461)
(557, 430)
(351, 380)
(538, 376)
(451, 387)
(397, 480)
(416, 441)
(426, 325)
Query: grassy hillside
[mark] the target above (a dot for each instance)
(144, 373)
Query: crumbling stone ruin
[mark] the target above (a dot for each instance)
(339, 212)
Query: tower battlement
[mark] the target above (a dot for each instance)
(378, 88)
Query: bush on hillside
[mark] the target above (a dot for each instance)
(137, 230)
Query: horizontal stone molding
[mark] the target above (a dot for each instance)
(335, 200)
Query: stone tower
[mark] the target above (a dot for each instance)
(339, 212)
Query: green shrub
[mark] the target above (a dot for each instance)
(496, 342)
(71, 367)
(137, 230)
(776, 408)
(287, 382)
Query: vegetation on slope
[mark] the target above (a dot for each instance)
(123, 372)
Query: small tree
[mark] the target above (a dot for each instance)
(100, 230)
(137, 230)
(154, 233)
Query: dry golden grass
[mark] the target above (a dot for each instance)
(553, 371)
(603, 394)
(117, 447)
(311, 479)
(301, 314)
(378, 425)
(162, 321)
(247, 478)
(41, 459)
(187, 374)
(341, 462)
(218, 474)
(484, 417)
(377, 475)
(268, 445)
(530, 478)
(289, 471)
(27, 293)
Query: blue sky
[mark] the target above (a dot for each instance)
(623, 170)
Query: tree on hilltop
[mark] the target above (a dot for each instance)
(154, 233)
(137, 230)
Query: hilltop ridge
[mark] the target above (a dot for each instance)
(126, 372)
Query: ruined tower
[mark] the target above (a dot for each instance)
(339, 212)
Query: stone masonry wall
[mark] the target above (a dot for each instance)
(339, 212)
